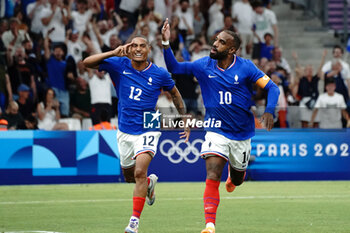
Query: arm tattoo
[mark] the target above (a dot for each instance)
(177, 100)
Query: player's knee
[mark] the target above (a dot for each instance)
(213, 175)
(140, 174)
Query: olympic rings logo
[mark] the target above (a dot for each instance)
(183, 154)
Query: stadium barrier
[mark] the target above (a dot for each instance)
(51, 157)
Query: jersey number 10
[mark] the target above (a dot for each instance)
(225, 97)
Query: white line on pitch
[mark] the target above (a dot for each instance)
(32, 232)
(172, 199)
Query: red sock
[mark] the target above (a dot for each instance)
(138, 203)
(211, 200)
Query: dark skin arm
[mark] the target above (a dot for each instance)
(94, 61)
(267, 119)
(177, 100)
(166, 33)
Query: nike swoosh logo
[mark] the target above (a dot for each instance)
(124, 72)
(211, 76)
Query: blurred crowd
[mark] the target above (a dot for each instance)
(43, 79)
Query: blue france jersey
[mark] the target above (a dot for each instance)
(137, 91)
(227, 95)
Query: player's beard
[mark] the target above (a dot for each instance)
(219, 55)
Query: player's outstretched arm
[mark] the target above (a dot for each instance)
(95, 60)
(172, 64)
(273, 93)
(178, 102)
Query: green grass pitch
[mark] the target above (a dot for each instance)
(105, 208)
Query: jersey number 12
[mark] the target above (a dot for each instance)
(135, 93)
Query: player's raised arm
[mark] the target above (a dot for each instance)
(95, 60)
(172, 64)
(178, 102)
(272, 99)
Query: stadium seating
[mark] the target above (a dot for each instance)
(86, 124)
(73, 123)
(336, 15)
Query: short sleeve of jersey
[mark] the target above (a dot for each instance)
(111, 64)
(254, 72)
(168, 82)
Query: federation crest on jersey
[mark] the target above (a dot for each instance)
(149, 81)
(236, 79)
(151, 120)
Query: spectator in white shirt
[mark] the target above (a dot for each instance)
(198, 50)
(198, 20)
(216, 18)
(157, 52)
(242, 13)
(185, 14)
(81, 16)
(160, 8)
(34, 11)
(57, 17)
(101, 97)
(14, 37)
(280, 60)
(74, 45)
(105, 33)
(82, 72)
(338, 53)
(331, 106)
(149, 21)
(264, 21)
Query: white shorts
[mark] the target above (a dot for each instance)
(236, 152)
(130, 146)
